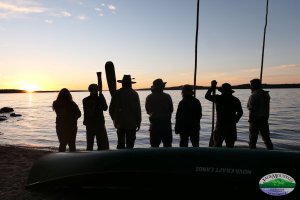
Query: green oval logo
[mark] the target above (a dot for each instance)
(277, 184)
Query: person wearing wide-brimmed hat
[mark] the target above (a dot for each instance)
(159, 107)
(93, 107)
(125, 111)
(229, 112)
(188, 115)
(259, 111)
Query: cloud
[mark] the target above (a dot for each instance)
(103, 8)
(98, 9)
(17, 8)
(82, 17)
(112, 8)
(66, 14)
(285, 67)
(251, 70)
(49, 21)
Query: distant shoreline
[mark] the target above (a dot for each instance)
(243, 86)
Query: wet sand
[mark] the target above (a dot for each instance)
(15, 164)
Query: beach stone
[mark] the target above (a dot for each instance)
(6, 110)
(15, 115)
(3, 118)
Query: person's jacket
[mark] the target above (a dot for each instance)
(93, 107)
(125, 109)
(259, 105)
(188, 115)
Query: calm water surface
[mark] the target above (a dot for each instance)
(36, 127)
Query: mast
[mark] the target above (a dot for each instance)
(196, 48)
(264, 41)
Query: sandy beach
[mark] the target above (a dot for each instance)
(15, 164)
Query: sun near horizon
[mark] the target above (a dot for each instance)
(29, 88)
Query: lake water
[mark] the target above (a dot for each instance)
(36, 127)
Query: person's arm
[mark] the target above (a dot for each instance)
(139, 113)
(103, 102)
(250, 108)
(209, 96)
(178, 118)
(171, 104)
(147, 105)
(199, 111)
(77, 111)
(239, 112)
(84, 112)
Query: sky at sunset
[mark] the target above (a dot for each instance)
(51, 44)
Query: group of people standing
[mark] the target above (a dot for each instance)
(125, 111)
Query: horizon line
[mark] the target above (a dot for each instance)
(199, 87)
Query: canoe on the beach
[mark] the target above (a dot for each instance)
(212, 171)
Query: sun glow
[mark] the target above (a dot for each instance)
(30, 88)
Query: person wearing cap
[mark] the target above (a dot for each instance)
(159, 107)
(229, 111)
(259, 110)
(93, 107)
(188, 115)
(125, 111)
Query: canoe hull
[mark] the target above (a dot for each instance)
(199, 170)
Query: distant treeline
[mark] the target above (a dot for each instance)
(243, 86)
(24, 91)
(12, 91)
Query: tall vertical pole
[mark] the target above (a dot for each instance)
(196, 48)
(264, 40)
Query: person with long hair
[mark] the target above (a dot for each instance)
(67, 114)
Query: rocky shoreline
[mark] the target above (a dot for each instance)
(15, 164)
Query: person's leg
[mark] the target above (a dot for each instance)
(102, 139)
(155, 138)
(253, 134)
(195, 137)
(62, 147)
(121, 139)
(218, 138)
(130, 138)
(184, 140)
(61, 139)
(265, 133)
(89, 139)
(229, 142)
(72, 141)
(230, 136)
(167, 137)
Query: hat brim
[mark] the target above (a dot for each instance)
(159, 86)
(121, 81)
(230, 91)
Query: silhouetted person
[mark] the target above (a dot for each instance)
(159, 106)
(188, 115)
(259, 110)
(67, 114)
(93, 107)
(125, 111)
(229, 112)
